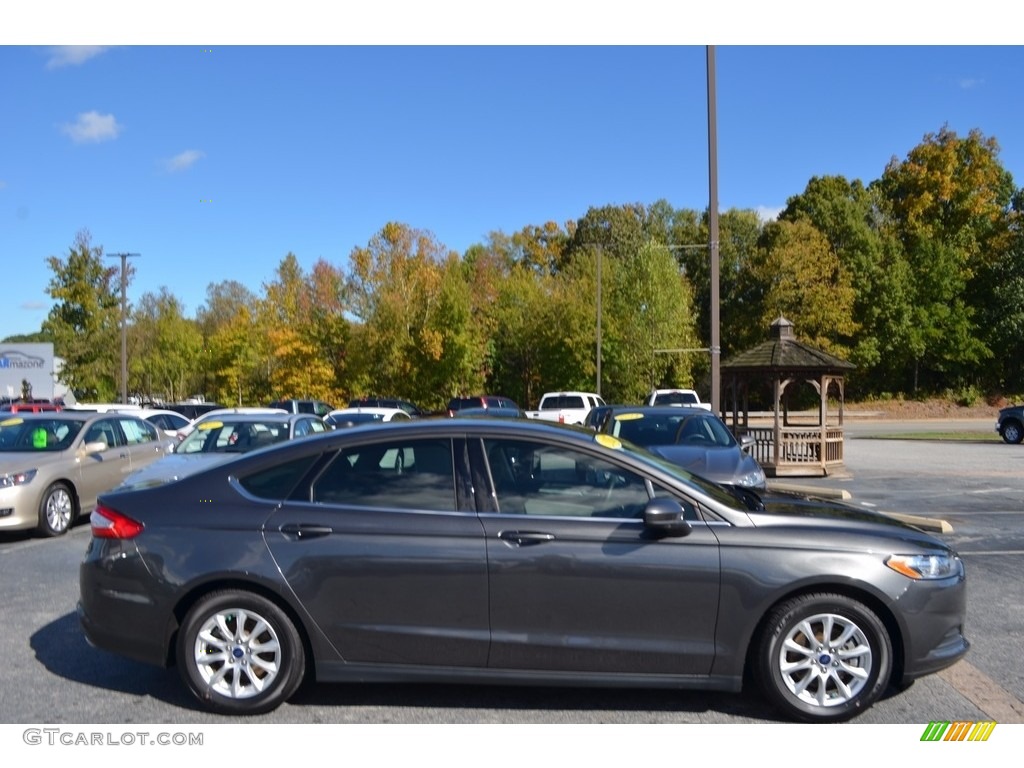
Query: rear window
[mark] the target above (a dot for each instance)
(675, 398)
(279, 481)
(562, 402)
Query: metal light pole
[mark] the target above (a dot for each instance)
(598, 390)
(124, 321)
(716, 348)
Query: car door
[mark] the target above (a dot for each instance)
(387, 555)
(577, 582)
(104, 469)
(144, 442)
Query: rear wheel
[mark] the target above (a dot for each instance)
(823, 658)
(56, 510)
(240, 654)
(1012, 432)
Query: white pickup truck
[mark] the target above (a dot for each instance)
(688, 397)
(565, 407)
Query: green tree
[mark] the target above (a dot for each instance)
(948, 204)
(225, 344)
(845, 213)
(166, 348)
(649, 329)
(84, 323)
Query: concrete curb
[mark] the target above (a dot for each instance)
(925, 523)
(810, 490)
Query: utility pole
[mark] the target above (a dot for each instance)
(124, 320)
(716, 344)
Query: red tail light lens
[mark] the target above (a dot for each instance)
(108, 523)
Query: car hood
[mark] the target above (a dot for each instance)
(174, 467)
(723, 465)
(805, 510)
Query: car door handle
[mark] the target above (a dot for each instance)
(306, 531)
(525, 538)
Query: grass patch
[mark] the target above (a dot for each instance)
(962, 436)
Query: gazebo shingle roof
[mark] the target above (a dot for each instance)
(784, 353)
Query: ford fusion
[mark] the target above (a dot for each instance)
(509, 551)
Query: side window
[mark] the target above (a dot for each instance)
(104, 431)
(137, 431)
(540, 479)
(277, 482)
(396, 474)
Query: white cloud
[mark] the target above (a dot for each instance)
(183, 160)
(72, 55)
(766, 214)
(92, 127)
(2, 183)
(969, 83)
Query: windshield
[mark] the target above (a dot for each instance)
(38, 435)
(648, 429)
(218, 436)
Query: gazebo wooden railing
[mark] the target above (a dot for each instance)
(797, 451)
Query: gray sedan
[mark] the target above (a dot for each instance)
(511, 551)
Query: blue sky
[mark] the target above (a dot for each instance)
(213, 161)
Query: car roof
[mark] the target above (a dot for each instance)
(379, 410)
(659, 409)
(83, 416)
(233, 417)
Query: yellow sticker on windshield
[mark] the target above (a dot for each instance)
(627, 416)
(607, 441)
(10, 422)
(210, 425)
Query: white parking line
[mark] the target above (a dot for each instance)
(991, 552)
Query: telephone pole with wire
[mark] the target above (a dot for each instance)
(124, 319)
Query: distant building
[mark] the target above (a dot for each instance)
(33, 363)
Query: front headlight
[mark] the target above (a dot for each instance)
(754, 479)
(926, 566)
(12, 479)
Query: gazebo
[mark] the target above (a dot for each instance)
(801, 444)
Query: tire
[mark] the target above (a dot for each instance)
(56, 510)
(1012, 432)
(820, 682)
(239, 654)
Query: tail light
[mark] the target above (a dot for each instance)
(108, 523)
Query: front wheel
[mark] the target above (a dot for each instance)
(56, 510)
(240, 654)
(1012, 432)
(823, 658)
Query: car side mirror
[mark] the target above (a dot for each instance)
(747, 442)
(665, 517)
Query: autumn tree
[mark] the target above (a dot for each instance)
(417, 338)
(84, 323)
(803, 280)
(298, 366)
